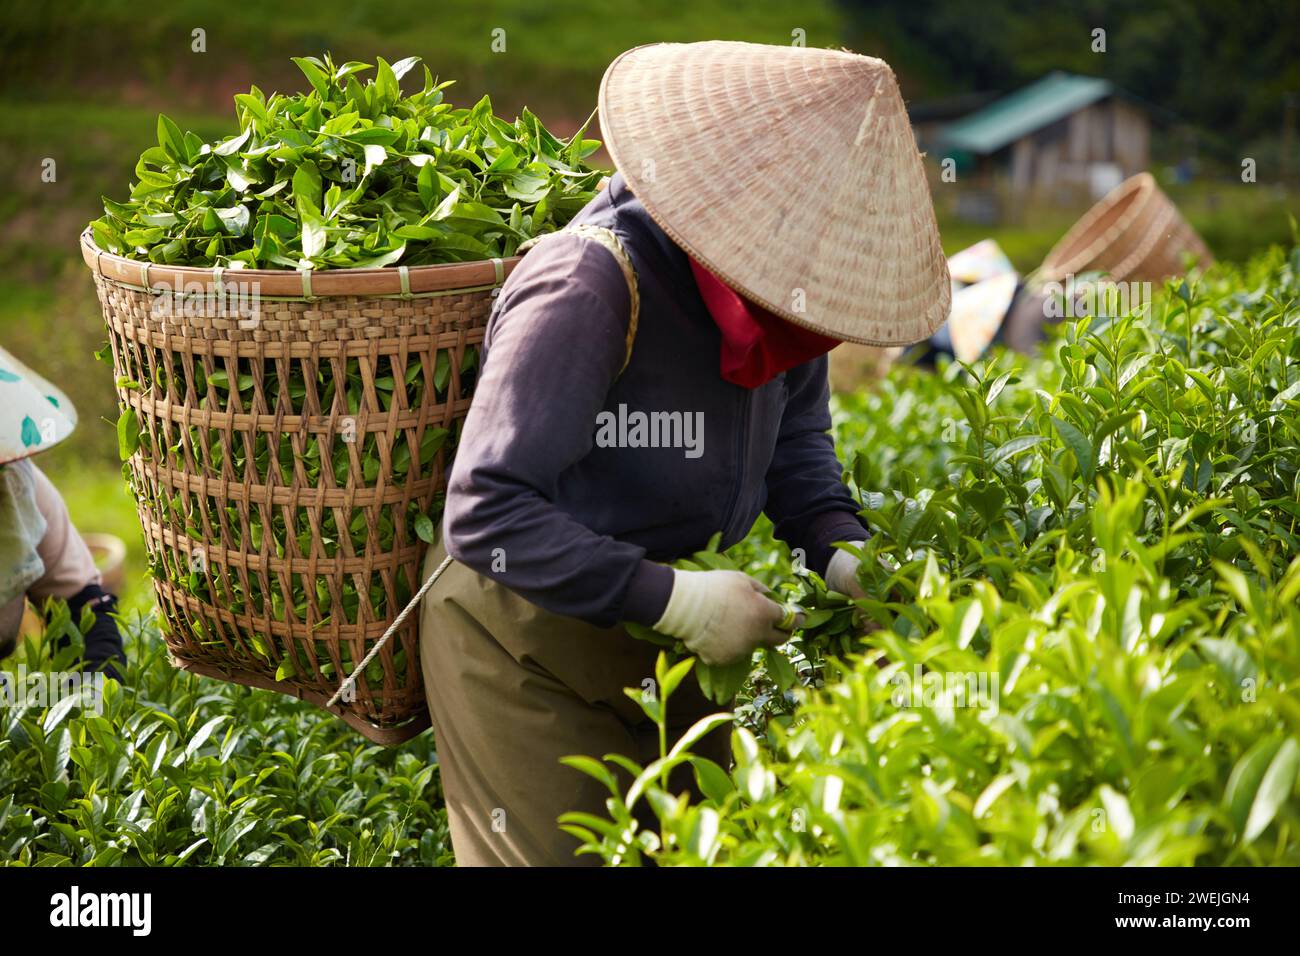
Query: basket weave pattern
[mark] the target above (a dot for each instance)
(326, 426)
(1134, 233)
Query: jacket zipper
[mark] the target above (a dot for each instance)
(742, 456)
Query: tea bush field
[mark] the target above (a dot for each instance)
(1080, 642)
(1080, 645)
(181, 770)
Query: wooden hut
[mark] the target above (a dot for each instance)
(1063, 137)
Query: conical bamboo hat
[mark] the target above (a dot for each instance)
(791, 173)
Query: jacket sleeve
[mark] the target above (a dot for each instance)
(807, 500)
(555, 344)
(69, 565)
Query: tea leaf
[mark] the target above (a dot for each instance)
(1275, 787)
(347, 166)
(1079, 446)
(128, 433)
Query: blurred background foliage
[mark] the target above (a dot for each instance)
(1223, 67)
(84, 80)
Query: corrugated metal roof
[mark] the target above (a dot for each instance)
(1017, 115)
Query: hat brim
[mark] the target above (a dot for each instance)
(840, 238)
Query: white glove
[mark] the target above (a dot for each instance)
(842, 572)
(722, 616)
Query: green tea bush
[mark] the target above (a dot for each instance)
(1080, 642)
(1096, 547)
(176, 770)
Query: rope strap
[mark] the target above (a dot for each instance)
(351, 680)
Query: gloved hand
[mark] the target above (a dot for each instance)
(722, 616)
(842, 572)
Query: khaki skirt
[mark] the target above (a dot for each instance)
(511, 689)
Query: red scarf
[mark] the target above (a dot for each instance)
(757, 345)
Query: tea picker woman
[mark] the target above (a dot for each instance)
(770, 203)
(41, 554)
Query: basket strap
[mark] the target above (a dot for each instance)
(351, 679)
(608, 239)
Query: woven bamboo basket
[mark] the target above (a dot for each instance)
(1133, 233)
(264, 401)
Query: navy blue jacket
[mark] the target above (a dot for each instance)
(537, 500)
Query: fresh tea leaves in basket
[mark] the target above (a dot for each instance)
(289, 464)
(351, 173)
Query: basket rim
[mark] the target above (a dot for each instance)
(1142, 187)
(305, 284)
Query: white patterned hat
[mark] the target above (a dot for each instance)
(34, 415)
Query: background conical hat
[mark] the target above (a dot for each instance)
(34, 415)
(790, 173)
(978, 311)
